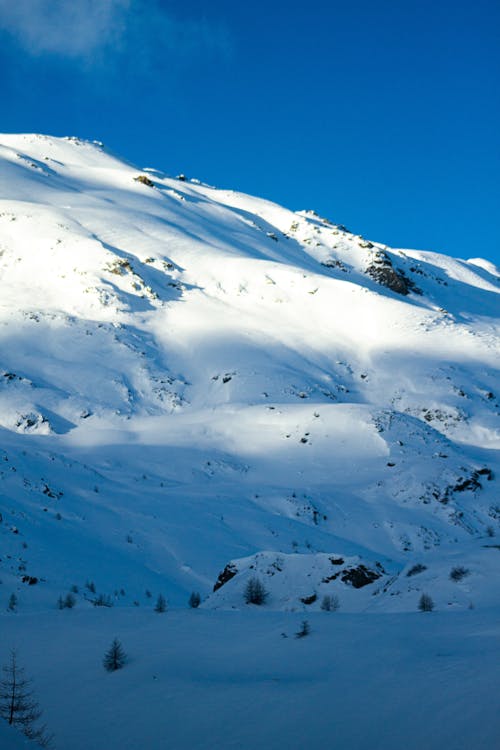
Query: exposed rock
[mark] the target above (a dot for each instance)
(30, 580)
(359, 577)
(334, 263)
(383, 272)
(229, 572)
(309, 599)
(336, 560)
(145, 180)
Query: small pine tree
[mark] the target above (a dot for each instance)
(18, 705)
(194, 600)
(425, 603)
(255, 592)
(305, 629)
(69, 601)
(161, 604)
(12, 605)
(115, 657)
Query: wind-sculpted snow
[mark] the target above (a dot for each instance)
(192, 376)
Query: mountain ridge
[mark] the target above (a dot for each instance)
(192, 378)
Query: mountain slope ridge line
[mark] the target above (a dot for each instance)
(192, 378)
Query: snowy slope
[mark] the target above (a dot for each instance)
(199, 387)
(192, 377)
(198, 680)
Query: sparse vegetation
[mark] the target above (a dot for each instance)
(18, 705)
(330, 603)
(305, 629)
(103, 600)
(194, 600)
(255, 592)
(425, 603)
(67, 602)
(115, 657)
(459, 572)
(416, 569)
(161, 604)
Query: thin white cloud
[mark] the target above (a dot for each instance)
(71, 28)
(88, 31)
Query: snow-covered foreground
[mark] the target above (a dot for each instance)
(201, 680)
(198, 387)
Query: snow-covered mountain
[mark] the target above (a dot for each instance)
(198, 386)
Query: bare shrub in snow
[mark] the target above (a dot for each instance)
(459, 572)
(415, 569)
(425, 603)
(330, 603)
(103, 600)
(68, 602)
(305, 629)
(255, 592)
(194, 600)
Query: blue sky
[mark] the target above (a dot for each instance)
(383, 115)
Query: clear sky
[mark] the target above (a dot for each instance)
(383, 115)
